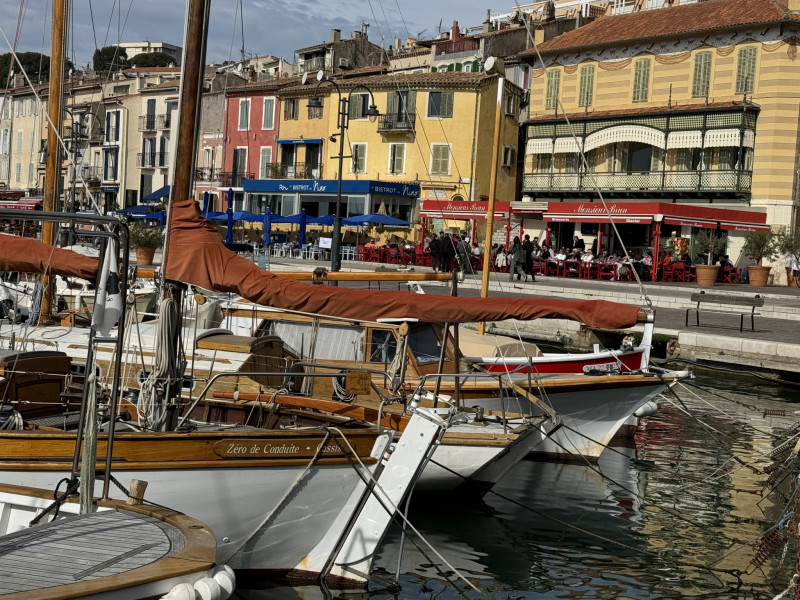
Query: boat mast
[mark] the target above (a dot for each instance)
(53, 160)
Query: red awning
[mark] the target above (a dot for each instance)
(464, 211)
(22, 204)
(568, 218)
(692, 223)
(746, 227)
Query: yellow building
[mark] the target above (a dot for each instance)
(693, 107)
(428, 153)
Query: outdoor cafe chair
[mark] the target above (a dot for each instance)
(607, 271)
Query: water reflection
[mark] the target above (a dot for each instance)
(646, 523)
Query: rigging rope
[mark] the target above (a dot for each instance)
(153, 401)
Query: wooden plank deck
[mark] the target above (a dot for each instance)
(83, 548)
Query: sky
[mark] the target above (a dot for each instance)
(277, 27)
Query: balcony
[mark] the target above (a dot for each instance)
(697, 183)
(88, 173)
(293, 171)
(147, 123)
(164, 121)
(206, 174)
(152, 160)
(233, 179)
(314, 64)
(396, 123)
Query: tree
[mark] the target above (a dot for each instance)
(109, 59)
(152, 59)
(36, 65)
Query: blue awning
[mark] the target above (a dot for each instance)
(300, 141)
(157, 195)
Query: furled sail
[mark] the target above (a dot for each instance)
(24, 255)
(197, 255)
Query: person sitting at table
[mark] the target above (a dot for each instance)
(725, 262)
(476, 250)
(501, 260)
(603, 256)
(562, 254)
(536, 253)
(546, 253)
(623, 267)
(686, 259)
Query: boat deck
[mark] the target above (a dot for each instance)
(83, 548)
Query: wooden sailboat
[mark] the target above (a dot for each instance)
(308, 502)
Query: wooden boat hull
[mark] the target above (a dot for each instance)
(182, 549)
(269, 513)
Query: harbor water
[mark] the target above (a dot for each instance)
(676, 513)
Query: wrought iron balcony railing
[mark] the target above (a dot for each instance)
(147, 123)
(206, 174)
(669, 181)
(234, 179)
(401, 123)
(292, 171)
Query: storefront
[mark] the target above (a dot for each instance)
(646, 226)
(318, 197)
(468, 215)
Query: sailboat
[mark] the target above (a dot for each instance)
(306, 502)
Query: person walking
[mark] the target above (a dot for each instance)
(527, 248)
(448, 251)
(435, 247)
(517, 262)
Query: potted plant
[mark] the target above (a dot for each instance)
(759, 245)
(789, 246)
(145, 239)
(708, 242)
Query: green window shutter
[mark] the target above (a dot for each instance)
(459, 67)
(641, 80)
(433, 69)
(746, 70)
(447, 105)
(450, 67)
(585, 96)
(412, 104)
(553, 85)
(391, 103)
(702, 74)
(476, 66)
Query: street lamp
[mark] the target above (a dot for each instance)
(344, 119)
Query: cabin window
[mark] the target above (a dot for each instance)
(333, 342)
(383, 346)
(424, 344)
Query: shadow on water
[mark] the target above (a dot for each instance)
(642, 523)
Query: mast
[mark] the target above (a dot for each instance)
(487, 245)
(53, 162)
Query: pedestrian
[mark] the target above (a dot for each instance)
(527, 248)
(435, 247)
(517, 260)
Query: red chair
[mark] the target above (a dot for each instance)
(360, 253)
(571, 268)
(729, 275)
(607, 271)
(551, 267)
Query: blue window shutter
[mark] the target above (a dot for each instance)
(116, 126)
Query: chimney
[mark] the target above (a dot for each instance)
(486, 27)
(397, 43)
(454, 33)
(356, 35)
(549, 11)
(336, 35)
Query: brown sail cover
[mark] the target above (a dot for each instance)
(25, 255)
(197, 255)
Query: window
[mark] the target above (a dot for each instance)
(34, 107)
(18, 173)
(509, 156)
(586, 91)
(5, 106)
(702, 74)
(440, 159)
(31, 142)
(110, 165)
(553, 85)
(3, 169)
(315, 112)
(383, 346)
(122, 90)
(112, 126)
(641, 80)
(510, 104)
(19, 141)
(746, 70)
(359, 154)
(244, 114)
(268, 122)
(265, 168)
(359, 103)
(397, 159)
(4, 140)
(440, 104)
(22, 108)
(290, 108)
(30, 172)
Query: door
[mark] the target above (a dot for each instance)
(239, 166)
(151, 114)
